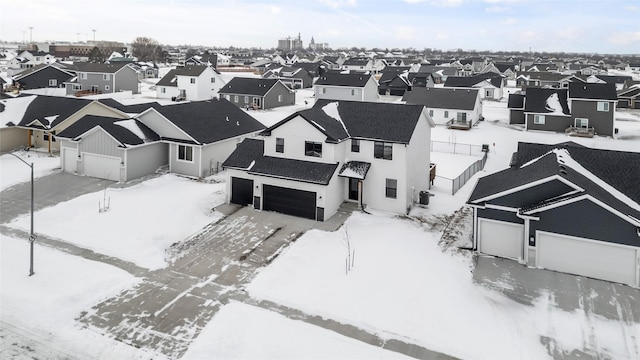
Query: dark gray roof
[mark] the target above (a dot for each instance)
(355, 169)
(390, 72)
(442, 98)
(366, 120)
(244, 154)
(356, 61)
(470, 81)
(39, 67)
(187, 70)
(114, 127)
(248, 86)
(129, 109)
(297, 170)
(444, 70)
(43, 107)
(98, 67)
(614, 79)
(337, 79)
(536, 100)
(592, 91)
(210, 121)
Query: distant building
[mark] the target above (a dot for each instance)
(314, 46)
(289, 43)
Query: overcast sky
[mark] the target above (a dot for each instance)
(601, 26)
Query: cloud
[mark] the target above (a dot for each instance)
(441, 36)
(273, 9)
(405, 33)
(496, 9)
(509, 21)
(625, 38)
(571, 33)
(440, 3)
(632, 8)
(337, 4)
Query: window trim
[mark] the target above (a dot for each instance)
(539, 119)
(280, 145)
(603, 106)
(313, 149)
(105, 77)
(380, 150)
(355, 145)
(391, 188)
(192, 80)
(576, 120)
(185, 152)
(53, 82)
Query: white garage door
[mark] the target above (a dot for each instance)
(500, 238)
(590, 258)
(103, 167)
(69, 160)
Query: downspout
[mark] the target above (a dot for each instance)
(361, 186)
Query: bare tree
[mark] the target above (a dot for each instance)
(145, 48)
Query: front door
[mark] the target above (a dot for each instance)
(353, 189)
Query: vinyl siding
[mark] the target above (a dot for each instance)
(601, 121)
(145, 160)
(271, 97)
(13, 138)
(552, 123)
(533, 194)
(99, 142)
(499, 215)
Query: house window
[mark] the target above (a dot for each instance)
(279, 145)
(323, 90)
(235, 98)
(279, 98)
(383, 150)
(431, 113)
(489, 93)
(446, 114)
(391, 188)
(83, 76)
(163, 90)
(213, 80)
(461, 117)
(185, 153)
(582, 123)
(353, 92)
(105, 77)
(53, 82)
(538, 119)
(312, 149)
(76, 87)
(603, 106)
(193, 80)
(246, 99)
(355, 145)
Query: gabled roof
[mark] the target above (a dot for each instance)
(614, 79)
(347, 80)
(471, 81)
(245, 154)
(51, 110)
(187, 70)
(356, 61)
(98, 67)
(390, 72)
(546, 101)
(439, 70)
(592, 91)
(248, 86)
(210, 121)
(39, 67)
(442, 98)
(124, 131)
(129, 109)
(607, 176)
(340, 120)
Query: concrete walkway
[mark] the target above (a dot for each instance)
(168, 309)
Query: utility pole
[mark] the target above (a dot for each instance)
(94, 35)
(78, 34)
(30, 34)
(32, 235)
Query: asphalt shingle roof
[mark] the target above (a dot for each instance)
(114, 126)
(44, 108)
(248, 86)
(298, 170)
(536, 100)
(592, 91)
(187, 70)
(210, 121)
(516, 101)
(129, 109)
(99, 67)
(442, 98)
(337, 79)
(245, 153)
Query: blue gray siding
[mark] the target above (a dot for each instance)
(500, 215)
(145, 160)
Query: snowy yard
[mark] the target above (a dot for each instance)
(403, 285)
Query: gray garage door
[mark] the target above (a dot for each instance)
(103, 167)
(289, 201)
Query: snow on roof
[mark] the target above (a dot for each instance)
(14, 109)
(132, 126)
(331, 109)
(553, 105)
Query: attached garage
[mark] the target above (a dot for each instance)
(241, 191)
(102, 167)
(500, 238)
(289, 201)
(595, 259)
(69, 159)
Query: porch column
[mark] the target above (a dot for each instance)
(49, 143)
(29, 134)
(360, 195)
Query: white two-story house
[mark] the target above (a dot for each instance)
(349, 87)
(373, 154)
(190, 82)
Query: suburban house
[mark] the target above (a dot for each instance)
(190, 82)
(628, 98)
(583, 109)
(349, 87)
(206, 59)
(439, 73)
(421, 79)
(546, 79)
(46, 116)
(458, 108)
(563, 207)
(491, 85)
(373, 154)
(11, 111)
(42, 76)
(617, 80)
(111, 148)
(28, 59)
(100, 78)
(393, 80)
(258, 93)
(200, 135)
(360, 64)
(293, 77)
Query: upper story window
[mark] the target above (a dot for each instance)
(312, 149)
(83, 76)
(279, 98)
(192, 80)
(53, 82)
(431, 113)
(538, 119)
(355, 145)
(603, 106)
(105, 77)
(213, 80)
(279, 145)
(185, 153)
(383, 150)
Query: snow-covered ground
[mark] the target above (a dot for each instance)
(13, 171)
(402, 285)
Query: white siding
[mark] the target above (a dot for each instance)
(295, 133)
